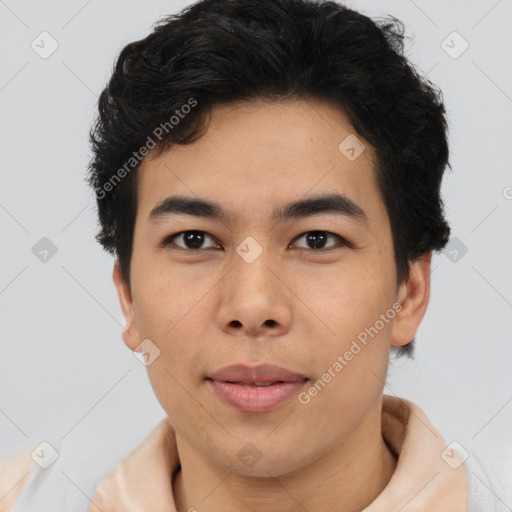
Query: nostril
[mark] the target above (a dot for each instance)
(270, 323)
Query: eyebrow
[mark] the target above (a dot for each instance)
(331, 203)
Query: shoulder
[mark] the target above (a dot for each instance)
(141, 480)
(489, 478)
(50, 475)
(64, 474)
(489, 470)
(14, 474)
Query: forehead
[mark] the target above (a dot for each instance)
(257, 155)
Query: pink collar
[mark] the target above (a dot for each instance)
(428, 477)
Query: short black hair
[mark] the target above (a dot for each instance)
(215, 52)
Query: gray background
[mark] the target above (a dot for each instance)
(64, 370)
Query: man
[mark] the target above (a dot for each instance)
(268, 177)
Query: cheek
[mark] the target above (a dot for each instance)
(350, 298)
(357, 340)
(170, 375)
(161, 299)
(164, 316)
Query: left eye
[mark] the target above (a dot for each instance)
(318, 239)
(193, 240)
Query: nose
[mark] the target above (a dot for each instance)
(255, 301)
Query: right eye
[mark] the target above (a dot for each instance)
(192, 240)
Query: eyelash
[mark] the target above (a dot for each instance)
(169, 240)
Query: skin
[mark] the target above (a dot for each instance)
(208, 309)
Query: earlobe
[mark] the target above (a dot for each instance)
(130, 334)
(413, 295)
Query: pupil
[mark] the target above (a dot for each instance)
(317, 237)
(194, 239)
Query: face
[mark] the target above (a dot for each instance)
(312, 290)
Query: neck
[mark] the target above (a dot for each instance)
(348, 478)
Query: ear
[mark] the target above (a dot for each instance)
(413, 295)
(130, 335)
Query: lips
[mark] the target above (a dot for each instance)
(258, 375)
(258, 389)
